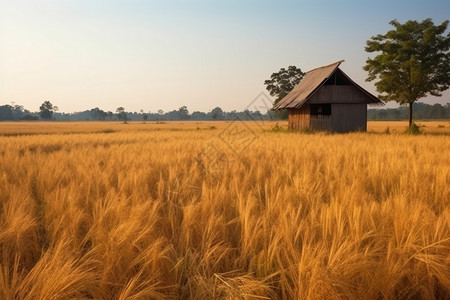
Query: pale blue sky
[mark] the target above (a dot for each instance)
(153, 55)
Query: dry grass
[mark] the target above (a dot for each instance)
(430, 127)
(169, 211)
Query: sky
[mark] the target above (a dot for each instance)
(164, 54)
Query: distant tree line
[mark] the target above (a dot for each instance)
(50, 112)
(15, 112)
(420, 111)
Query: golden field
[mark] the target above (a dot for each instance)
(223, 210)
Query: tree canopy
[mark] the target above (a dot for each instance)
(46, 110)
(216, 113)
(121, 114)
(413, 61)
(183, 113)
(283, 81)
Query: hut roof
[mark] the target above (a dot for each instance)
(311, 82)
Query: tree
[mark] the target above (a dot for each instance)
(198, 115)
(282, 82)
(103, 114)
(6, 112)
(46, 110)
(29, 117)
(12, 112)
(217, 113)
(183, 113)
(121, 115)
(98, 114)
(18, 111)
(160, 113)
(413, 61)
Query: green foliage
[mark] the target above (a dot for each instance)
(12, 112)
(121, 114)
(412, 61)
(183, 113)
(29, 117)
(18, 112)
(278, 128)
(217, 113)
(282, 82)
(6, 112)
(413, 129)
(282, 114)
(98, 114)
(46, 110)
(421, 111)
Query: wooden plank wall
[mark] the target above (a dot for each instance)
(348, 117)
(344, 118)
(299, 119)
(339, 94)
(321, 123)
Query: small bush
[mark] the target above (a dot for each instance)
(278, 128)
(413, 129)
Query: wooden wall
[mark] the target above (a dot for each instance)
(339, 94)
(348, 117)
(321, 123)
(344, 118)
(299, 119)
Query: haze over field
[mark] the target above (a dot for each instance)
(164, 54)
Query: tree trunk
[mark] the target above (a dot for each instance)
(410, 113)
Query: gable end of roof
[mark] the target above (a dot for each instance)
(311, 83)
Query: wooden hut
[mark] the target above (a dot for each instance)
(327, 99)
